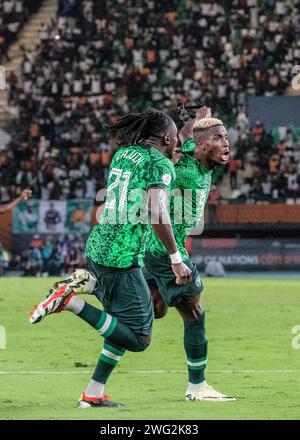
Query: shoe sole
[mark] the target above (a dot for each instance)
(84, 405)
(211, 399)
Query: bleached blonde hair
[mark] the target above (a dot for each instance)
(205, 123)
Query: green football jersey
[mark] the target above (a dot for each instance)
(189, 195)
(119, 239)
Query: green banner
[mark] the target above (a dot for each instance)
(26, 217)
(79, 216)
(53, 216)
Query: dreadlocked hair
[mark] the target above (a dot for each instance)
(134, 128)
(205, 123)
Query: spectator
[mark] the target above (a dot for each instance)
(213, 202)
(234, 165)
(50, 256)
(72, 260)
(4, 260)
(32, 261)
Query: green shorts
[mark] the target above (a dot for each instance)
(124, 294)
(160, 270)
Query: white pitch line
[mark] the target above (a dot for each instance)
(84, 371)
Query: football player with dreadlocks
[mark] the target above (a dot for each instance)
(115, 248)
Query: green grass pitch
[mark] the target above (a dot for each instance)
(46, 366)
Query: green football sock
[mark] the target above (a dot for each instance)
(195, 345)
(112, 328)
(109, 357)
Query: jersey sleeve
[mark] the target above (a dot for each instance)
(161, 174)
(188, 146)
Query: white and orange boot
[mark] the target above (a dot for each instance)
(56, 301)
(92, 402)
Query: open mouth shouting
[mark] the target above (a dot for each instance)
(225, 156)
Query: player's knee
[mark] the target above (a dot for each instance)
(160, 310)
(191, 314)
(143, 343)
(159, 315)
(196, 310)
(190, 307)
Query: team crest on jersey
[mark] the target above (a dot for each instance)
(166, 178)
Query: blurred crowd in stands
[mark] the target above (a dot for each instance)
(48, 256)
(13, 16)
(102, 58)
(269, 164)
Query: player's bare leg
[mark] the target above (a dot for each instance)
(160, 306)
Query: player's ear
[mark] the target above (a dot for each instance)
(200, 144)
(167, 138)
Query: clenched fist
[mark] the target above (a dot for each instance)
(26, 194)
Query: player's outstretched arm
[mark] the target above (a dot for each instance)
(161, 224)
(26, 194)
(187, 130)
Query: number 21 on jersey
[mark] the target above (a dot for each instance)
(117, 189)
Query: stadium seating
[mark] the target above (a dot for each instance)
(104, 58)
(13, 15)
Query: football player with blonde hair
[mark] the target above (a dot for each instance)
(204, 147)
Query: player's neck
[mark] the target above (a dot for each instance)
(153, 143)
(210, 165)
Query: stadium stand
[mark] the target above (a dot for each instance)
(13, 15)
(102, 58)
(90, 66)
